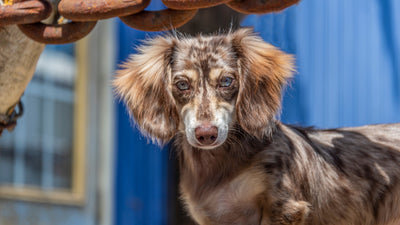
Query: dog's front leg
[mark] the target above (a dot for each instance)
(288, 212)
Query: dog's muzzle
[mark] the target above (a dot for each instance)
(206, 134)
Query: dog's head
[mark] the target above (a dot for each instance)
(203, 86)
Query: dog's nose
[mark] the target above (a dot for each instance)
(206, 134)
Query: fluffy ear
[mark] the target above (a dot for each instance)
(142, 84)
(263, 73)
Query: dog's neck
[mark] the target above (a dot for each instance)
(209, 168)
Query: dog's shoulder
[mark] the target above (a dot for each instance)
(354, 164)
(343, 148)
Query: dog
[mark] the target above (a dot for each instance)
(218, 98)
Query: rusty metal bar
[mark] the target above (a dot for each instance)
(260, 6)
(159, 20)
(30, 11)
(91, 10)
(59, 33)
(192, 4)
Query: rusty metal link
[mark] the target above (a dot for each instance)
(9, 121)
(159, 20)
(192, 4)
(90, 10)
(58, 33)
(30, 11)
(260, 6)
(85, 13)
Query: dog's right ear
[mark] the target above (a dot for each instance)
(142, 84)
(263, 72)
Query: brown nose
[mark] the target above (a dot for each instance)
(206, 134)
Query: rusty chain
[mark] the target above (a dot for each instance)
(8, 121)
(83, 15)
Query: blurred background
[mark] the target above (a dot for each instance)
(75, 157)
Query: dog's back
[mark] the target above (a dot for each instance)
(349, 175)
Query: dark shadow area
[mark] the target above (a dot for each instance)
(212, 20)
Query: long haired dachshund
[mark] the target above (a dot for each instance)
(218, 96)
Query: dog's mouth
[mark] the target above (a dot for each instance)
(207, 147)
(211, 146)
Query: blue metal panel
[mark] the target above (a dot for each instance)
(141, 167)
(348, 60)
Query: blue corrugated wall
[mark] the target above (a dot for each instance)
(348, 62)
(141, 168)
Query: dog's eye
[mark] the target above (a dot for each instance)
(226, 82)
(183, 85)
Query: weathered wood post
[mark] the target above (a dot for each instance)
(18, 59)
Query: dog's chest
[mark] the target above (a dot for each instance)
(234, 202)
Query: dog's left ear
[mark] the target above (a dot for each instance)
(263, 72)
(142, 84)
